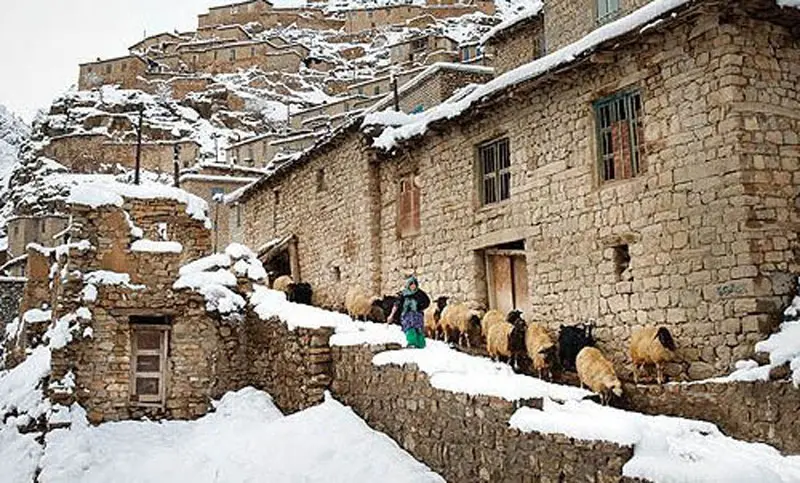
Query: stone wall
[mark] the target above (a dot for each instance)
(517, 45)
(88, 153)
(462, 437)
(124, 71)
(752, 411)
(332, 222)
(692, 226)
(566, 21)
(437, 88)
(23, 230)
(11, 290)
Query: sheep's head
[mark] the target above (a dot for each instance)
(514, 317)
(441, 303)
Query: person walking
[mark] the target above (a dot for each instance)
(412, 302)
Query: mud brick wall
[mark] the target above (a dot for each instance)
(464, 438)
(766, 412)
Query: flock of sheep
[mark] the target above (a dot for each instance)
(508, 338)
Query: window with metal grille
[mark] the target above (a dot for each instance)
(495, 171)
(149, 341)
(607, 10)
(408, 222)
(619, 135)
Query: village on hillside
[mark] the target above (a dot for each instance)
(449, 240)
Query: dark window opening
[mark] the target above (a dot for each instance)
(495, 171)
(619, 136)
(622, 261)
(337, 274)
(277, 197)
(321, 180)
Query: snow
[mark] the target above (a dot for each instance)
(271, 303)
(152, 246)
(98, 193)
(19, 387)
(34, 316)
(106, 277)
(789, 3)
(666, 449)
(448, 110)
(60, 334)
(531, 10)
(246, 439)
(455, 371)
(19, 455)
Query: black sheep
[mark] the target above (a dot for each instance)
(299, 293)
(387, 303)
(571, 339)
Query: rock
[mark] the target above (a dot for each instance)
(780, 372)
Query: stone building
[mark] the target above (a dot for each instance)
(380, 85)
(240, 13)
(385, 16)
(515, 42)
(212, 188)
(320, 115)
(252, 152)
(44, 230)
(125, 71)
(423, 49)
(434, 85)
(642, 176)
(160, 43)
(90, 153)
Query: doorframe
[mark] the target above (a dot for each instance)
(490, 286)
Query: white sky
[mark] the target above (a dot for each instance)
(43, 41)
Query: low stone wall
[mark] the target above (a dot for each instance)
(11, 290)
(464, 438)
(765, 412)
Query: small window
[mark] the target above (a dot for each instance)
(149, 341)
(277, 194)
(337, 274)
(215, 55)
(607, 10)
(217, 191)
(465, 55)
(123, 66)
(43, 226)
(16, 230)
(619, 135)
(108, 69)
(89, 69)
(321, 180)
(495, 171)
(238, 216)
(252, 51)
(377, 90)
(232, 55)
(622, 261)
(408, 217)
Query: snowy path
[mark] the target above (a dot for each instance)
(246, 440)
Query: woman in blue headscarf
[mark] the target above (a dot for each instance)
(412, 301)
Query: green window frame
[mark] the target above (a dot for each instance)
(607, 10)
(618, 121)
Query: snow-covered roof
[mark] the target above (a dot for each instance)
(216, 178)
(426, 74)
(530, 12)
(115, 59)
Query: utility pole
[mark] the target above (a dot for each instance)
(176, 153)
(396, 96)
(216, 146)
(136, 178)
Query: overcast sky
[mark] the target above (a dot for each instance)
(43, 41)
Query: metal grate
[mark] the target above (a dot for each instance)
(619, 127)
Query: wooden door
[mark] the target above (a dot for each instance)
(507, 281)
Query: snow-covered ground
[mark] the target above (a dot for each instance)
(666, 449)
(246, 439)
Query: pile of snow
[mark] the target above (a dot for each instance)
(451, 370)
(419, 123)
(100, 192)
(789, 3)
(214, 276)
(666, 449)
(20, 390)
(246, 439)
(271, 303)
(156, 246)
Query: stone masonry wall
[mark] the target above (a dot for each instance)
(567, 21)
(11, 290)
(437, 88)
(752, 411)
(516, 46)
(332, 222)
(690, 220)
(463, 438)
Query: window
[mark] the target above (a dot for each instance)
(238, 215)
(250, 155)
(408, 221)
(495, 171)
(465, 55)
(619, 134)
(217, 191)
(377, 90)
(337, 274)
(277, 197)
(607, 10)
(149, 341)
(321, 180)
(108, 69)
(232, 55)
(622, 261)
(123, 66)
(43, 226)
(215, 55)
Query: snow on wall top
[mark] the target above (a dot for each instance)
(789, 3)
(449, 110)
(102, 192)
(530, 11)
